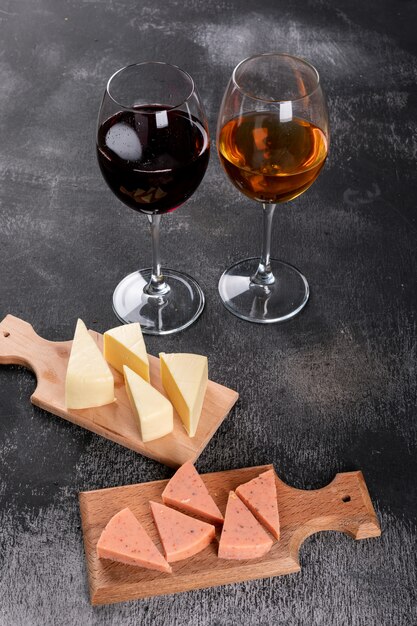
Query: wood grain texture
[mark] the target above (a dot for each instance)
(344, 506)
(20, 344)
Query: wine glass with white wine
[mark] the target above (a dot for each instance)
(273, 140)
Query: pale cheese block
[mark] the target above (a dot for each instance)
(125, 540)
(153, 412)
(89, 381)
(242, 536)
(184, 378)
(181, 536)
(260, 496)
(124, 345)
(186, 491)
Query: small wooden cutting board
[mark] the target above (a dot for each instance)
(19, 344)
(343, 505)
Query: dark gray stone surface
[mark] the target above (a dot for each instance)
(333, 390)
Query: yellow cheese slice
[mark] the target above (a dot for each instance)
(89, 381)
(124, 345)
(184, 378)
(153, 412)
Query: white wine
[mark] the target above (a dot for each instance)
(269, 160)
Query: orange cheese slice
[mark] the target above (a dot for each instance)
(181, 536)
(125, 540)
(260, 496)
(242, 536)
(186, 491)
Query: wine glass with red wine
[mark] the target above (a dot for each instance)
(272, 140)
(153, 149)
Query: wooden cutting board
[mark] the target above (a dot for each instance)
(19, 344)
(343, 505)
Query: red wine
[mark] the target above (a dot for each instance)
(153, 159)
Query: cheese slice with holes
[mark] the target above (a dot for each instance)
(242, 536)
(260, 496)
(89, 381)
(124, 345)
(153, 412)
(184, 378)
(187, 491)
(181, 536)
(125, 540)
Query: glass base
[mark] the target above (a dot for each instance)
(158, 314)
(263, 304)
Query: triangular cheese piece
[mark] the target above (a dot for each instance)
(153, 412)
(260, 496)
(184, 378)
(242, 536)
(124, 345)
(125, 540)
(181, 536)
(89, 381)
(187, 491)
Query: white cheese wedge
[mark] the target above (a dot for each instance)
(153, 412)
(184, 378)
(89, 381)
(124, 345)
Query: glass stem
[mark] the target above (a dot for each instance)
(264, 275)
(157, 285)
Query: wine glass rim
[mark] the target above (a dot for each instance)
(275, 54)
(130, 65)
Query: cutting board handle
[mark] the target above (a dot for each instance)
(344, 505)
(20, 345)
(18, 342)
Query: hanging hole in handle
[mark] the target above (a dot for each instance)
(346, 499)
(6, 333)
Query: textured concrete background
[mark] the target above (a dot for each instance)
(333, 390)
